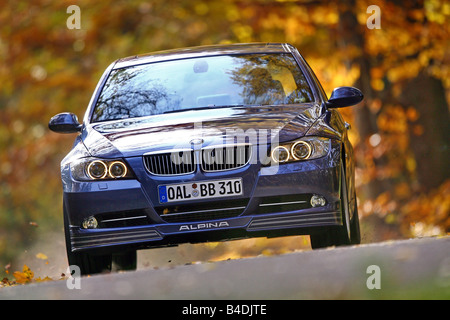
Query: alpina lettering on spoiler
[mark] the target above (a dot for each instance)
(208, 225)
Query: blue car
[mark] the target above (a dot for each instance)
(204, 144)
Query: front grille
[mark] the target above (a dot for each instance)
(226, 157)
(203, 211)
(170, 163)
(212, 159)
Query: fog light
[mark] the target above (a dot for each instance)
(90, 223)
(318, 201)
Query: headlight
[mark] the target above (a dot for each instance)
(303, 149)
(280, 154)
(89, 169)
(117, 170)
(97, 170)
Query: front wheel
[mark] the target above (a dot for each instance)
(97, 263)
(346, 234)
(124, 261)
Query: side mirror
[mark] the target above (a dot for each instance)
(64, 123)
(344, 97)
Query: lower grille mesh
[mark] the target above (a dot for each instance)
(122, 219)
(284, 203)
(202, 212)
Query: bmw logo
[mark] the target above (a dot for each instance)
(196, 141)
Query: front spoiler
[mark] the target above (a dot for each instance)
(217, 230)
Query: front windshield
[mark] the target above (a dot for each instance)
(198, 83)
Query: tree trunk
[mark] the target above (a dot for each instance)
(429, 135)
(351, 35)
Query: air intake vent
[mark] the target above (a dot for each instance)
(122, 219)
(284, 203)
(202, 211)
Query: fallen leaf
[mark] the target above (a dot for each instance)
(41, 256)
(43, 280)
(7, 268)
(25, 276)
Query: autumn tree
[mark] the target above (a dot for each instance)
(400, 131)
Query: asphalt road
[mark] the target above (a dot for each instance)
(405, 269)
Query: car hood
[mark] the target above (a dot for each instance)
(134, 137)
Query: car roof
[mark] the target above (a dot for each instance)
(202, 51)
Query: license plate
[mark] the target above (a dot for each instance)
(200, 190)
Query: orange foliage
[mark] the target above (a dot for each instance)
(47, 68)
(25, 276)
(416, 212)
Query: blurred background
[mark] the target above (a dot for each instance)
(400, 132)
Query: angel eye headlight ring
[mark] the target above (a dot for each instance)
(117, 169)
(301, 150)
(280, 154)
(97, 170)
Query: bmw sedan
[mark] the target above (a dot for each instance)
(204, 144)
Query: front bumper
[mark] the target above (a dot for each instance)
(130, 214)
(229, 229)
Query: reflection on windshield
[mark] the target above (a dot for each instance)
(258, 79)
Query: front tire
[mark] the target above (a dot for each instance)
(97, 263)
(88, 263)
(343, 235)
(124, 261)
